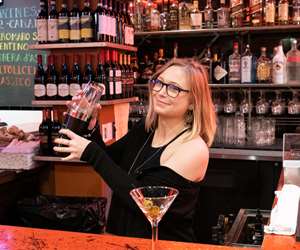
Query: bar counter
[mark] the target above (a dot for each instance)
(19, 238)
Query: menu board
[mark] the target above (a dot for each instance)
(17, 63)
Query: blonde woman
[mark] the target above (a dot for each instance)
(169, 148)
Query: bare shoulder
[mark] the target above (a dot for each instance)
(190, 159)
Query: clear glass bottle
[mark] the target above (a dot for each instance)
(247, 66)
(263, 69)
(155, 21)
(296, 11)
(147, 16)
(164, 17)
(138, 23)
(184, 16)
(270, 10)
(283, 12)
(208, 15)
(223, 14)
(279, 67)
(234, 63)
(293, 64)
(196, 16)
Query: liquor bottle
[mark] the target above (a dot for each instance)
(237, 14)
(256, 12)
(44, 133)
(174, 12)
(293, 64)
(100, 77)
(270, 10)
(131, 76)
(55, 128)
(160, 60)
(223, 14)
(117, 76)
(79, 114)
(155, 18)
(147, 16)
(279, 67)
(86, 23)
(99, 17)
(207, 63)
(109, 75)
(127, 77)
(42, 24)
(76, 78)
(296, 12)
(219, 69)
(208, 15)
(263, 69)
(112, 22)
(63, 24)
(283, 12)
(139, 16)
(234, 63)
(123, 76)
(53, 23)
(64, 81)
(135, 69)
(88, 75)
(247, 66)
(184, 16)
(129, 27)
(39, 80)
(164, 17)
(75, 24)
(51, 82)
(119, 25)
(196, 16)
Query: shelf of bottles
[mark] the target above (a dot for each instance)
(241, 85)
(211, 16)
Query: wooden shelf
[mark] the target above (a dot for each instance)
(51, 103)
(54, 46)
(221, 31)
(53, 159)
(255, 85)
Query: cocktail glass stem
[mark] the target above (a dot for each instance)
(154, 225)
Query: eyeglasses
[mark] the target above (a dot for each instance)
(172, 90)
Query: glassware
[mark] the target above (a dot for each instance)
(263, 70)
(239, 129)
(294, 105)
(293, 64)
(245, 105)
(79, 113)
(278, 105)
(230, 105)
(228, 130)
(154, 201)
(262, 105)
(217, 102)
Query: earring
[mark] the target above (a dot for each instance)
(189, 117)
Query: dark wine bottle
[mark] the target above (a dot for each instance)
(53, 23)
(45, 133)
(86, 23)
(39, 80)
(51, 82)
(42, 23)
(100, 77)
(64, 24)
(76, 78)
(56, 126)
(75, 24)
(88, 75)
(64, 81)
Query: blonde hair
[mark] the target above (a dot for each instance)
(203, 120)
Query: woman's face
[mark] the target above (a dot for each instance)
(164, 105)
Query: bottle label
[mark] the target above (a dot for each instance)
(118, 87)
(234, 70)
(63, 28)
(263, 72)
(246, 68)
(135, 75)
(109, 25)
(196, 19)
(111, 73)
(223, 18)
(113, 28)
(74, 28)
(42, 30)
(270, 13)
(51, 89)
(111, 88)
(74, 89)
(52, 29)
(219, 72)
(155, 21)
(86, 27)
(118, 73)
(39, 90)
(294, 59)
(278, 71)
(63, 89)
(101, 24)
(283, 12)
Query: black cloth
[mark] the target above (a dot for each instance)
(125, 218)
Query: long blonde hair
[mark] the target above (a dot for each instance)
(202, 118)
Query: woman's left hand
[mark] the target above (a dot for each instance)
(75, 145)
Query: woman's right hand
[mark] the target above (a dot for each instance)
(95, 112)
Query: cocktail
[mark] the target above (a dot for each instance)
(154, 201)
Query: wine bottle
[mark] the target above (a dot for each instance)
(53, 23)
(39, 80)
(63, 24)
(51, 82)
(86, 23)
(64, 81)
(88, 75)
(42, 23)
(100, 77)
(55, 128)
(45, 133)
(118, 77)
(76, 79)
(75, 24)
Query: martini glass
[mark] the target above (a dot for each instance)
(154, 201)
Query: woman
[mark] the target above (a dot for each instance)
(170, 149)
